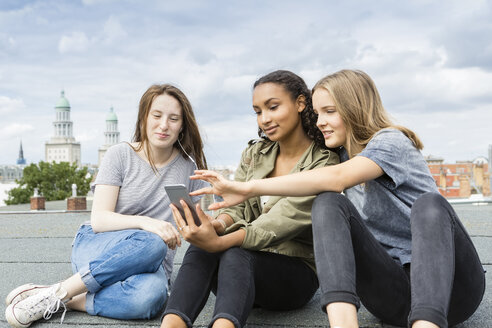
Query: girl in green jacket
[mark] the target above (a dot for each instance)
(258, 253)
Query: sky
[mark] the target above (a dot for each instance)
(431, 61)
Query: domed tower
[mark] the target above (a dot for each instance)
(111, 135)
(62, 147)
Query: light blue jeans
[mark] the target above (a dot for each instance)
(122, 271)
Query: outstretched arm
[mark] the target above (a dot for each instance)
(330, 178)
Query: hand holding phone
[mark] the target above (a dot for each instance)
(176, 192)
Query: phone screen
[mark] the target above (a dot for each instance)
(177, 192)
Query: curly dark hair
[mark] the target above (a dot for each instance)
(296, 87)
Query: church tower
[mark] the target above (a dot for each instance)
(62, 147)
(21, 160)
(111, 135)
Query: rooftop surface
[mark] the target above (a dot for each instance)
(35, 247)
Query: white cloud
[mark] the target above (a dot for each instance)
(15, 130)
(73, 43)
(225, 140)
(95, 2)
(113, 29)
(8, 105)
(239, 84)
(413, 51)
(453, 136)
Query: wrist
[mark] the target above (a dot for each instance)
(143, 222)
(219, 245)
(250, 188)
(223, 224)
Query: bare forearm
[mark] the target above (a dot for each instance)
(304, 183)
(102, 221)
(232, 239)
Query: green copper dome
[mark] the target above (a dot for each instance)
(62, 104)
(111, 116)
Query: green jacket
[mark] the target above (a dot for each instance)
(283, 226)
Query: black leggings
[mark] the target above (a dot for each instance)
(447, 279)
(240, 279)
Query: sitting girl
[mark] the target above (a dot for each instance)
(122, 259)
(260, 252)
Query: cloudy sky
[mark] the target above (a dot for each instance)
(432, 62)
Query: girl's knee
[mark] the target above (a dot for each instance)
(234, 254)
(431, 212)
(237, 258)
(325, 204)
(430, 199)
(327, 198)
(429, 206)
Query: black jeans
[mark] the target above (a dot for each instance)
(446, 281)
(240, 279)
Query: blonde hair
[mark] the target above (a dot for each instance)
(358, 102)
(189, 136)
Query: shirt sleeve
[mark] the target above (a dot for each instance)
(111, 169)
(389, 149)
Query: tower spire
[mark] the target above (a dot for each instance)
(21, 160)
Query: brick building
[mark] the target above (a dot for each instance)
(461, 179)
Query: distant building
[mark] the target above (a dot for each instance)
(21, 160)
(9, 173)
(111, 135)
(462, 178)
(62, 147)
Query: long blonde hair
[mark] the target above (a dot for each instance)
(189, 135)
(358, 102)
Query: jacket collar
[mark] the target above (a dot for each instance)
(265, 160)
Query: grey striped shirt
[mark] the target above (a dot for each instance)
(141, 190)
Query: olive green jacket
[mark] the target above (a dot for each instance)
(283, 226)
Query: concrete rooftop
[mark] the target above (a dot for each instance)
(35, 247)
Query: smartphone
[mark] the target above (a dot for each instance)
(176, 192)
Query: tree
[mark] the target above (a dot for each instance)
(53, 181)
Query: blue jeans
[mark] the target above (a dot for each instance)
(444, 283)
(122, 271)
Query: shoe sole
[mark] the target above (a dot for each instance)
(12, 320)
(21, 289)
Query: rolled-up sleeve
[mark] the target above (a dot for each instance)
(286, 219)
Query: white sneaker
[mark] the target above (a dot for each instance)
(23, 292)
(41, 305)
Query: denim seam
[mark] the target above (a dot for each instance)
(89, 303)
(89, 280)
